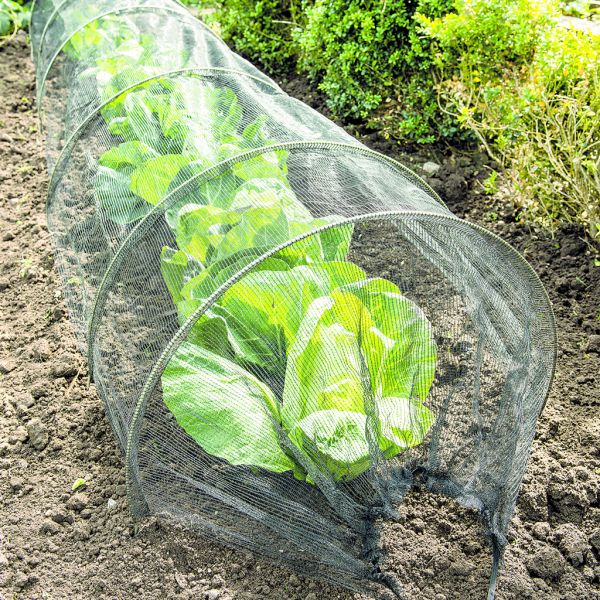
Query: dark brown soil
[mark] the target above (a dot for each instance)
(58, 544)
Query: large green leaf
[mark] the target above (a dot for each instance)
(172, 119)
(226, 410)
(151, 180)
(203, 284)
(6, 22)
(323, 367)
(202, 229)
(254, 134)
(217, 336)
(127, 155)
(403, 423)
(138, 122)
(269, 164)
(335, 241)
(270, 193)
(194, 189)
(257, 228)
(116, 199)
(215, 107)
(264, 309)
(178, 268)
(401, 351)
(329, 245)
(121, 79)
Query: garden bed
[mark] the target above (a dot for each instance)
(57, 543)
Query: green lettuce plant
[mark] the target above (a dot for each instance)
(344, 361)
(306, 364)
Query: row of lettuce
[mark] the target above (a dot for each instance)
(519, 77)
(306, 364)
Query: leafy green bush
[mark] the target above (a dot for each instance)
(262, 30)
(363, 52)
(528, 87)
(486, 36)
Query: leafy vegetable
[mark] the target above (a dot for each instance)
(262, 312)
(367, 324)
(305, 363)
(349, 347)
(335, 440)
(234, 418)
(363, 349)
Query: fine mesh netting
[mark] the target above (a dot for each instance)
(289, 330)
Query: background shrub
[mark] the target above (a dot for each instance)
(510, 74)
(365, 54)
(528, 87)
(263, 31)
(14, 15)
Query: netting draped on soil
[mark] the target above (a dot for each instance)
(288, 330)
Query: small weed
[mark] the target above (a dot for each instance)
(78, 484)
(26, 265)
(490, 184)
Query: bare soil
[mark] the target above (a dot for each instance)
(58, 544)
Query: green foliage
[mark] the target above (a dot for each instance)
(14, 15)
(350, 349)
(487, 36)
(362, 53)
(262, 31)
(506, 73)
(243, 386)
(159, 122)
(235, 407)
(534, 107)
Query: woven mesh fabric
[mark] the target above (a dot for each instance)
(288, 329)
